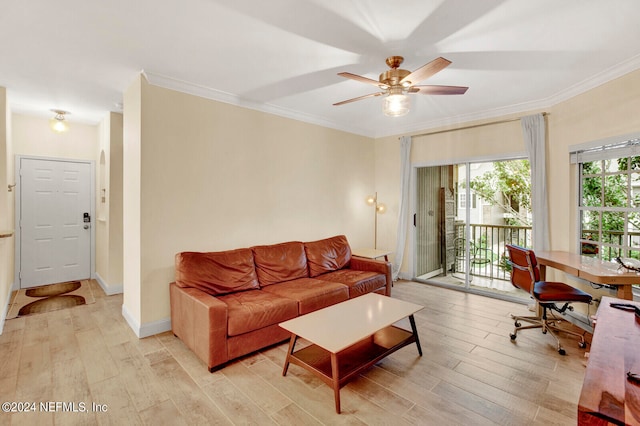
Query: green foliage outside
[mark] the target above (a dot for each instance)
(508, 186)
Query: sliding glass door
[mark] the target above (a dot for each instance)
(465, 214)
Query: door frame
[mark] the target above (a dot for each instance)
(411, 252)
(17, 212)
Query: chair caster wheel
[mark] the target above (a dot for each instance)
(517, 324)
(582, 345)
(513, 336)
(561, 351)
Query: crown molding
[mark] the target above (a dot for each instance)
(590, 83)
(599, 79)
(229, 98)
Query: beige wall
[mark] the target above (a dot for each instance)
(33, 136)
(215, 176)
(450, 147)
(131, 171)
(606, 111)
(114, 198)
(6, 207)
(109, 204)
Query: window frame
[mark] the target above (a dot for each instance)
(603, 151)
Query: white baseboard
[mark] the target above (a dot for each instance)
(147, 329)
(404, 276)
(5, 310)
(580, 319)
(107, 288)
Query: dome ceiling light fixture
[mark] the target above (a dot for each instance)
(59, 124)
(397, 83)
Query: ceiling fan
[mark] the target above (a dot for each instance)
(396, 83)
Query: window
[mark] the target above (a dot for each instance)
(463, 201)
(609, 199)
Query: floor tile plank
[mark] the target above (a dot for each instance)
(471, 372)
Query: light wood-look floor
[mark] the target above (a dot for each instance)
(470, 374)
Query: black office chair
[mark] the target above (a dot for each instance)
(525, 275)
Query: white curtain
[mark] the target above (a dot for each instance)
(534, 133)
(405, 175)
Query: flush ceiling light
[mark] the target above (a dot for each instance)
(58, 123)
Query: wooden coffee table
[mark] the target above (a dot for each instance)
(350, 337)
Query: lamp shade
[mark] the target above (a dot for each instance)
(396, 105)
(58, 126)
(58, 123)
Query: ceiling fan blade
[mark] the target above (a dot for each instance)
(361, 79)
(426, 71)
(438, 90)
(371, 95)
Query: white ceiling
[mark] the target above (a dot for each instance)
(283, 56)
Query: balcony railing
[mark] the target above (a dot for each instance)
(488, 258)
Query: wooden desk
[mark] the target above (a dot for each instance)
(607, 396)
(591, 269)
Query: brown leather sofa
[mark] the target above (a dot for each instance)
(228, 304)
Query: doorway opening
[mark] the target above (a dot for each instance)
(465, 215)
(55, 210)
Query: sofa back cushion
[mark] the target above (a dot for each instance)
(217, 273)
(280, 262)
(327, 255)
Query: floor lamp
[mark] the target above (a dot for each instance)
(380, 208)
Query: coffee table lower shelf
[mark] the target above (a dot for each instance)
(336, 369)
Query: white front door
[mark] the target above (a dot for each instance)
(55, 221)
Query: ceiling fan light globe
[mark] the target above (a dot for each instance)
(396, 105)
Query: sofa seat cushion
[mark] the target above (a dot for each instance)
(310, 294)
(280, 262)
(359, 282)
(217, 273)
(327, 255)
(254, 309)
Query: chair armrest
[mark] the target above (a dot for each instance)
(373, 265)
(200, 321)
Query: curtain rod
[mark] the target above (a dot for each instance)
(473, 126)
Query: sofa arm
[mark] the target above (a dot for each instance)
(380, 266)
(200, 321)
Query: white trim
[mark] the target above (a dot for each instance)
(578, 319)
(5, 311)
(520, 155)
(585, 146)
(592, 82)
(229, 98)
(147, 329)
(109, 290)
(404, 276)
(606, 149)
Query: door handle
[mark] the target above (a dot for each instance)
(86, 226)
